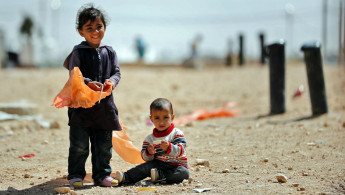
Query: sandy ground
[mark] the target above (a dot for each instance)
(309, 151)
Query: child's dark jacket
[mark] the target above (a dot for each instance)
(95, 65)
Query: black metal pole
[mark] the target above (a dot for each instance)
(262, 48)
(240, 55)
(276, 55)
(317, 89)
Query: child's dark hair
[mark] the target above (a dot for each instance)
(89, 12)
(161, 104)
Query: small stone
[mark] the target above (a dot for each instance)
(190, 180)
(198, 185)
(72, 192)
(305, 174)
(301, 189)
(203, 162)
(281, 178)
(290, 168)
(54, 125)
(62, 190)
(295, 184)
(26, 176)
(275, 165)
(324, 193)
(226, 171)
(32, 183)
(266, 160)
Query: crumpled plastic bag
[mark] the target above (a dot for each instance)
(227, 110)
(124, 147)
(77, 94)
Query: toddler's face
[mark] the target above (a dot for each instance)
(162, 119)
(93, 32)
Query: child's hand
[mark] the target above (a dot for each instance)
(151, 149)
(94, 85)
(110, 82)
(164, 145)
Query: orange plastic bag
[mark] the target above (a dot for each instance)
(202, 114)
(124, 147)
(76, 94)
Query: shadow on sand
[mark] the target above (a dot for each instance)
(286, 121)
(48, 187)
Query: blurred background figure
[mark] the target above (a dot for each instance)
(195, 45)
(3, 54)
(140, 47)
(228, 57)
(194, 60)
(26, 57)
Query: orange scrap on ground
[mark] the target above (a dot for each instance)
(76, 94)
(202, 114)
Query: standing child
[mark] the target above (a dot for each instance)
(98, 64)
(164, 150)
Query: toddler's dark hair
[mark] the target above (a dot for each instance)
(161, 104)
(89, 12)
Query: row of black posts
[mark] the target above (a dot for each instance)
(312, 57)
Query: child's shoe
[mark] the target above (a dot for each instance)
(157, 177)
(120, 176)
(76, 182)
(109, 182)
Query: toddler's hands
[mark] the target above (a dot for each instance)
(151, 149)
(165, 145)
(94, 85)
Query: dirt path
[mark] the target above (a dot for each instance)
(310, 152)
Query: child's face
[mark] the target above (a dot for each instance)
(93, 32)
(161, 119)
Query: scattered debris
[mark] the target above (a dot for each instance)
(62, 190)
(27, 156)
(298, 92)
(22, 107)
(150, 188)
(203, 162)
(300, 189)
(281, 178)
(226, 171)
(305, 174)
(199, 190)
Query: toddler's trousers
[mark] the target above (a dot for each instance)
(170, 173)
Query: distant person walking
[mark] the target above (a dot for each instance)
(140, 46)
(194, 60)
